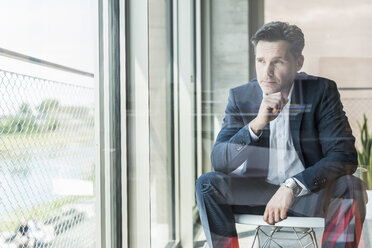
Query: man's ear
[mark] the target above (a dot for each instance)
(300, 62)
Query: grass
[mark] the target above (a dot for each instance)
(17, 146)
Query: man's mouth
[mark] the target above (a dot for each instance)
(269, 82)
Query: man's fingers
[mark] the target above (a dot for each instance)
(274, 107)
(285, 101)
(283, 214)
(277, 208)
(271, 217)
(266, 215)
(276, 111)
(273, 99)
(274, 215)
(277, 215)
(278, 106)
(276, 98)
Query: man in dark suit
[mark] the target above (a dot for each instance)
(285, 148)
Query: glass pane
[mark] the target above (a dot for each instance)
(161, 155)
(47, 133)
(337, 46)
(335, 49)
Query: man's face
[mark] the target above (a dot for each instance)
(276, 67)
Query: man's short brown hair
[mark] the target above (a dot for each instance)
(274, 31)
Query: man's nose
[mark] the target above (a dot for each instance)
(269, 70)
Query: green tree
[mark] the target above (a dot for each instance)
(25, 109)
(47, 106)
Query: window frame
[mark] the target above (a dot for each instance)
(111, 175)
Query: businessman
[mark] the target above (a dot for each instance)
(285, 149)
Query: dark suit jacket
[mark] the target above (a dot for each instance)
(320, 131)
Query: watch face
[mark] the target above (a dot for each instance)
(290, 183)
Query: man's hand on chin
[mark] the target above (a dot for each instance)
(277, 208)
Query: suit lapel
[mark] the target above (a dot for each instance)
(250, 102)
(296, 111)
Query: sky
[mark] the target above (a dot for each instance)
(63, 32)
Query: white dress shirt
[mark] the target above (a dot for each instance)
(284, 162)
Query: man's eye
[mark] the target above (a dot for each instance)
(260, 61)
(278, 62)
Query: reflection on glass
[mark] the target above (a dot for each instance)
(339, 50)
(160, 123)
(47, 124)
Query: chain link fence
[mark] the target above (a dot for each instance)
(46, 163)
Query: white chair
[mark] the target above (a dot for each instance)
(301, 227)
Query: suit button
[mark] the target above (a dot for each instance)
(316, 181)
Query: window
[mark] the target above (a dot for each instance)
(47, 121)
(161, 123)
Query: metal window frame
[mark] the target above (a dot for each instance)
(184, 46)
(127, 72)
(138, 131)
(176, 141)
(198, 88)
(206, 77)
(256, 9)
(110, 119)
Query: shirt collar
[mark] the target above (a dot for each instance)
(290, 93)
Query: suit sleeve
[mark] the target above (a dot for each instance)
(228, 152)
(336, 142)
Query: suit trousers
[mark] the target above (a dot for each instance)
(220, 196)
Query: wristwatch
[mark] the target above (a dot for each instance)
(291, 183)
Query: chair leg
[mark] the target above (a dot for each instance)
(313, 238)
(267, 241)
(298, 238)
(312, 235)
(270, 238)
(258, 241)
(255, 236)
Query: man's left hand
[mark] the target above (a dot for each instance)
(277, 208)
